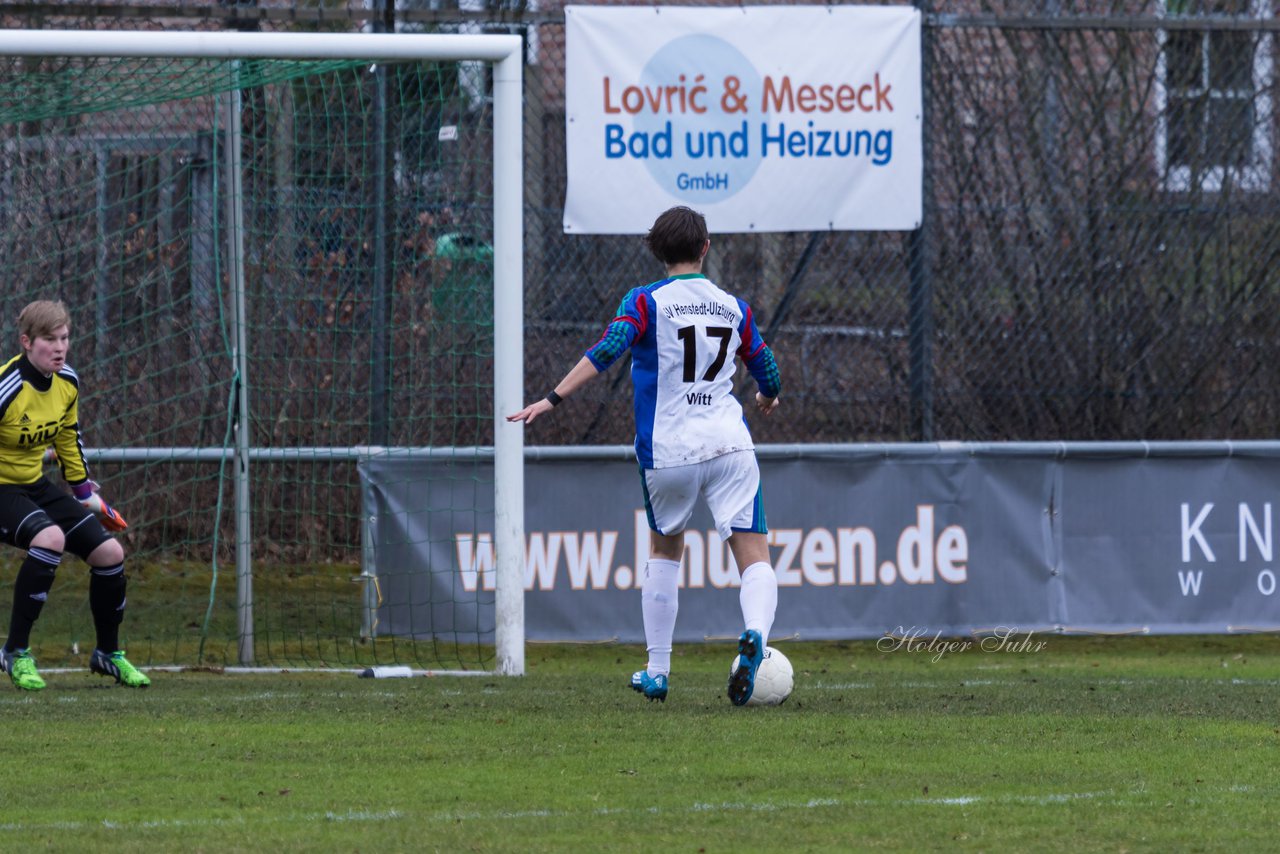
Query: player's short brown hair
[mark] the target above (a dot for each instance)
(42, 317)
(678, 236)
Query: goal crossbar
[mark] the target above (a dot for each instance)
(400, 46)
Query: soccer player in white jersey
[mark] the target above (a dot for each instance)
(692, 441)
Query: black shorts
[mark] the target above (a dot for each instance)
(26, 509)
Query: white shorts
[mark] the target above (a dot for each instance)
(730, 484)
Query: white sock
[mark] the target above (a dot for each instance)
(659, 595)
(759, 598)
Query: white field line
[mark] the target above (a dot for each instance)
(269, 696)
(298, 818)
(1005, 683)
(106, 695)
(109, 694)
(373, 816)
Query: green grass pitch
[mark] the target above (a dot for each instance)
(1088, 744)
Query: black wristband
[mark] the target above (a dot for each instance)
(553, 398)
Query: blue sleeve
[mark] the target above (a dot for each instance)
(757, 356)
(765, 370)
(630, 323)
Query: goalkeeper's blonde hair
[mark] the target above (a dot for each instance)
(42, 317)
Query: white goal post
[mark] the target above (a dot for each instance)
(505, 53)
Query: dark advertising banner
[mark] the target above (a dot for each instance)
(1168, 544)
(867, 540)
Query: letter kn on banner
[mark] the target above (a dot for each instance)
(794, 118)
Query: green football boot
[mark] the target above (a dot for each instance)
(118, 667)
(21, 668)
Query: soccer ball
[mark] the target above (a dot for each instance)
(774, 679)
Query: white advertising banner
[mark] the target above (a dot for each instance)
(764, 118)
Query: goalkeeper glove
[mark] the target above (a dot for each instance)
(87, 494)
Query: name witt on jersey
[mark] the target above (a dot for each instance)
(698, 398)
(704, 309)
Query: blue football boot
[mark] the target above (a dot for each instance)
(653, 687)
(743, 679)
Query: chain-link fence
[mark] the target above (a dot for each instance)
(1096, 258)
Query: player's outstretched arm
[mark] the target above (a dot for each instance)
(581, 374)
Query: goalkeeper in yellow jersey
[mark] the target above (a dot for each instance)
(39, 409)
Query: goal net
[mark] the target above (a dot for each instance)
(284, 255)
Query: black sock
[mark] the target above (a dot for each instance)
(30, 590)
(106, 601)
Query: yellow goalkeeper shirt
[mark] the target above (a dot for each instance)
(37, 411)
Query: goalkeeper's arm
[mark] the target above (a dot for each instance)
(87, 494)
(67, 447)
